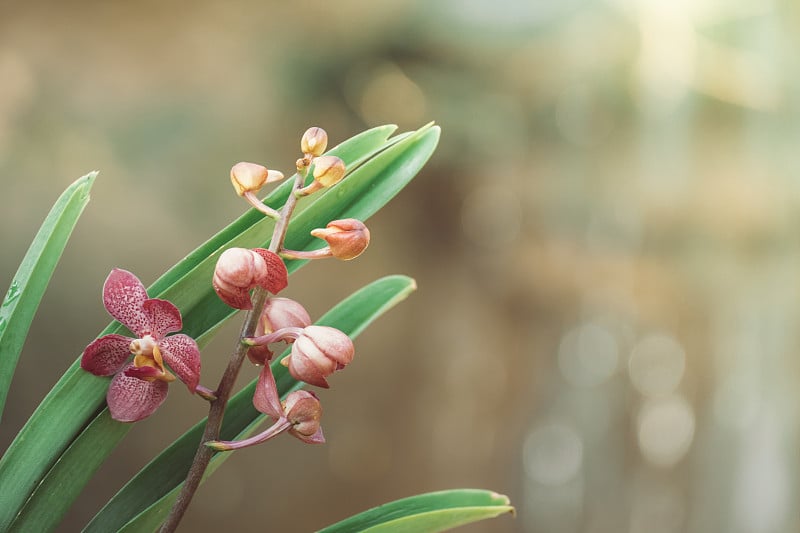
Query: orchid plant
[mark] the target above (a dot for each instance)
(158, 334)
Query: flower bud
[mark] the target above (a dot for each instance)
(282, 313)
(278, 313)
(314, 141)
(248, 177)
(328, 170)
(347, 238)
(239, 270)
(317, 353)
(303, 410)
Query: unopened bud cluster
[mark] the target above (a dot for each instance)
(316, 351)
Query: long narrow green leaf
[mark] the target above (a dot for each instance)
(33, 276)
(144, 502)
(431, 512)
(79, 397)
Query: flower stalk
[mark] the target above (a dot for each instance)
(226, 445)
(217, 409)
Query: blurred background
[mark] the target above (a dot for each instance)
(605, 243)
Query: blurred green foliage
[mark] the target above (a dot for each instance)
(610, 222)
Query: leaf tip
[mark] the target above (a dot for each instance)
(89, 178)
(501, 498)
(84, 184)
(412, 285)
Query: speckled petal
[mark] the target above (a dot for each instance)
(163, 316)
(182, 355)
(277, 278)
(106, 355)
(123, 296)
(130, 399)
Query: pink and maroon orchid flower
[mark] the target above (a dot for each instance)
(139, 386)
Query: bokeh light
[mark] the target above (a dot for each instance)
(656, 365)
(665, 429)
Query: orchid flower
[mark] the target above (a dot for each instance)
(139, 386)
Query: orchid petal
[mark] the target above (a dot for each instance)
(329, 343)
(266, 398)
(106, 355)
(237, 298)
(302, 368)
(143, 372)
(130, 399)
(308, 348)
(260, 355)
(164, 317)
(277, 278)
(233, 295)
(316, 438)
(147, 372)
(123, 296)
(183, 356)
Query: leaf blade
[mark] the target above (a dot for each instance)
(34, 274)
(430, 512)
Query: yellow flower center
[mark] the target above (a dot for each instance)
(146, 353)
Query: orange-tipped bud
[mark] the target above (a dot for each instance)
(347, 238)
(314, 141)
(328, 170)
(248, 177)
(317, 353)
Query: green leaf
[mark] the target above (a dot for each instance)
(144, 502)
(381, 169)
(434, 511)
(33, 276)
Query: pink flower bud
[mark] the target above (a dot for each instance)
(239, 270)
(328, 170)
(278, 313)
(317, 353)
(314, 141)
(248, 177)
(347, 238)
(282, 313)
(303, 410)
